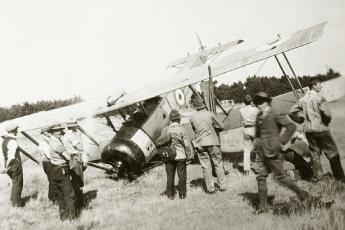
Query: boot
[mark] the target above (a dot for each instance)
(262, 189)
(337, 169)
(317, 169)
(303, 167)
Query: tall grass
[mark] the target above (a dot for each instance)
(138, 205)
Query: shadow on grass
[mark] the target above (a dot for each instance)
(88, 197)
(198, 183)
(293, 206)
(254, 200)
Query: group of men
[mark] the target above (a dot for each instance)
(63, 160)
(266, 134)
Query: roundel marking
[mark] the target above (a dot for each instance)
(180, 97)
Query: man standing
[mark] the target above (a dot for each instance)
(208, 145)
(316, 117)
(45, 159)
(74, 147)
(248, 115)
(175, 135)
(60, 174)
(267, 145)
(13, 164)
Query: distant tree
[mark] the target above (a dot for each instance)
(272, 85)
(27, 108)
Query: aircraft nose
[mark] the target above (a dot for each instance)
(128, 153)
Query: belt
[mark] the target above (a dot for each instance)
(248, 126)
(64, 165)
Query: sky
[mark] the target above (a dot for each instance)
(58, 49)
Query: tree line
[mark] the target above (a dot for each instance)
(272, 85)
(19, 110)
(253, 84)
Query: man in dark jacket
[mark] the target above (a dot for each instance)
(268, 142)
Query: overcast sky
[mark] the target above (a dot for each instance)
(57, 49)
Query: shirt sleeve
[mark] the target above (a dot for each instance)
(290, 128)
(295, 112)
(325, 112)
(12, 148)
(164, 138)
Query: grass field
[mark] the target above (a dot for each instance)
(138, 205)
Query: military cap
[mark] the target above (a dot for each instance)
(11, 127)
(174, 115)
(198, 104)
(45, 128)
(261, 97)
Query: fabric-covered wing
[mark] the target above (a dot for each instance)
(64, 114)
(221, 66)
(211, 51)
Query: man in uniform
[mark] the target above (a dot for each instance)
(73, 144)
(316, 117)
(267, 145)
(60, 174)
(175, 135)
(13, 164)
(248, 116)
(208, 145)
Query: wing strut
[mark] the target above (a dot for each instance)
(27, 154)
(293, 72)
(110, 123)
(25, 134)
(286, 76)
(83, 131)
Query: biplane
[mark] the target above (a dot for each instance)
(120, 131)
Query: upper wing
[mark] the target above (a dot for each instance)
(188, 77)
(211, 51)
(64, 114)
(221, 66)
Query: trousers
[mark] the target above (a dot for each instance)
(15, 172)
(206, 154)
(60, 178)
(171, 167)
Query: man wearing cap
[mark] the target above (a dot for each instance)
(208, 145)
(175, 135)
(60, 174)
(248, 116)
(13, 164)
(45, 160)
(267, 146)
(73, 144)
(312, 110)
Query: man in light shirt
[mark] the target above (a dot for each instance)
(73, 144)
(312, 110)
(45, 160)
(248, 116)
(60, 174)
(13, 164)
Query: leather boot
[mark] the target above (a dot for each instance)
(337, 169)
(317, 169)
(262, 189)
(303, 167)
